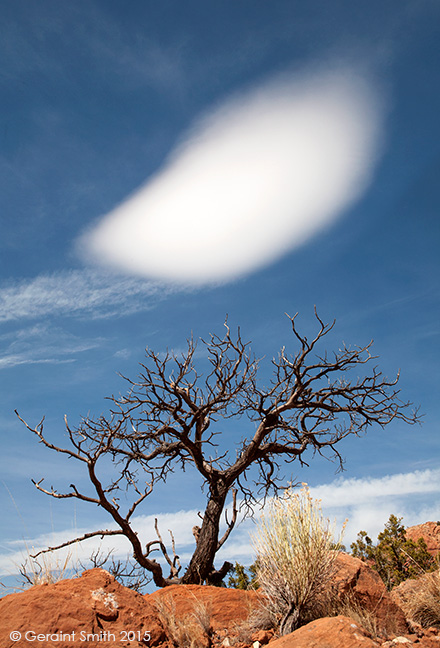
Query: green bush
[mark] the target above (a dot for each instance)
(394, 557)
(243, 577)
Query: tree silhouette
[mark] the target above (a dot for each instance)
(171, 418)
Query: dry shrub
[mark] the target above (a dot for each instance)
(295, 555)
(421, 603)
(260, 617)
(48, 568)
(202, 616)
(350, 607)
(189, 631)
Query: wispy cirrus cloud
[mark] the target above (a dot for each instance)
(101, 41)
(253, 179)
(42, 344)
(13, 360)
(78, 292)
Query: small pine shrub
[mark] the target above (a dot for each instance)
(394, 557)
(244, 578)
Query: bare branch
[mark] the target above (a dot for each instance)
(173, 416)
(174, 564)
(86, 536)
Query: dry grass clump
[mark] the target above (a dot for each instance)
(295, 555)
(421, 603)
(375, 626)
(353, 609)
(189, 631)
(48, 568)
(260, 617)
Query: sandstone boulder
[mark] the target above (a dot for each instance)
(359, 585)
(334, 632)
(430, 532)
(93, 610)
(405, 591)
(419, 598)
(225, 606)
(202, 612)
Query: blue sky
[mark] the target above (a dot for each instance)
(165, 164)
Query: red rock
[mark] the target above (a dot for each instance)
(263, 636)
(430, 532)
(407, 641)
(94, 604)
(419, 598)
(330, 632)
(358, 582)
(226, 606)
(404, 591)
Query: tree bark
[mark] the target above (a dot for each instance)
(201, 566)
(289, 622)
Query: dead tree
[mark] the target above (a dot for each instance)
(172, 417)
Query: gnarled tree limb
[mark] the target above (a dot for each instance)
(172, 418)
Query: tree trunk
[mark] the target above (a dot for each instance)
(289, 622)
(201, 566)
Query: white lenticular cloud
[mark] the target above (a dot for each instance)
(253, 179)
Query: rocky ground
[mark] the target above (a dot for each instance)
(95, 610)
